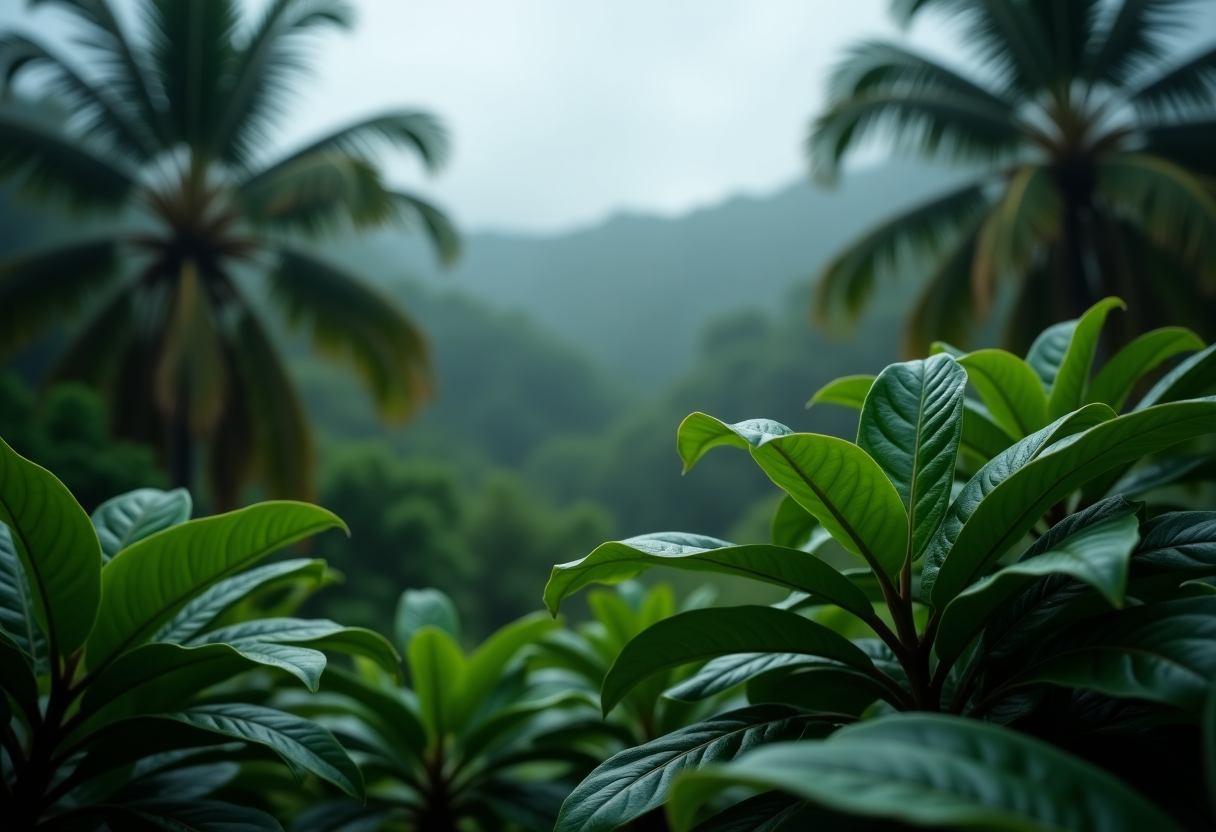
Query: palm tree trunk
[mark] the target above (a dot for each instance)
(1075, 180)
(181, 449)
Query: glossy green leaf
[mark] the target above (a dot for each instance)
(982, 437)
(204, 609)
(1011, 390)
(437, 668)
(725, 672)
(988, 478)
(1047, 352)
(1116, 380)
(486, 664)
(301, 743)
(933, 770)
(848, 391)
(127, 518)
(1160, 473)
(637, 780)
(1164, 652)
(700, 635)
(148, 583)
(910, 425)
(399, 717)
(1182, 543)
(57, 547)
(317, 633)
(1014, 505)
(1097, 555)
(1072, 378)
(1196, 376)
(823, 688)
(699, 433)
(418, 608)
(792, 524)
(785, 567)
(182, 815)
(17, 606)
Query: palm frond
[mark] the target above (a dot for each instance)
(847, 282)
(1188, 145)
(51, 166)
(1134, 34)
(1175, 296)
(265, 69)
(95, 350)
(882, 68)
(38, 288)
(1172, 206)
(962, 127)
(191, 370)
(944, 310)
(95, 110)
(318, 193)
(350, 321)
(438, 227)
(1027, 215)
(1184, 88)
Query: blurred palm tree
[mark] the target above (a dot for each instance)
(1096, 170)
(166, 133)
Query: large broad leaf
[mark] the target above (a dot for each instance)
(57, 547)
(848, 391)
(789, 568)
(1183, 543)
(932, 770)
(304, 745)
(127, 518)
(488, 661)
(17, 606)
(197, 615)
(792, 525)
(725, 672)
(418, 608)
(700, 635)
(698, 433)
(193, 815)
(635, 781)
(910, 425)
(1009, 387)
(437, 668)
(1097, 555)
(147, 583)
(1194, 377)
(982, 437)
(317, 633)
(1047, 352)
(400, 719)
(1164, 652)
(1116, 380)
(1072, 378)
(995, 472)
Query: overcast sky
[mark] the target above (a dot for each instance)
(566, 111)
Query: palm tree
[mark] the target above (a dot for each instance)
(1093, 149)
(167, 133)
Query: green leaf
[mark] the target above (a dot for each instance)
(485, 664)
(1115, 381)
(197, 615)
(57, 547)
(420, 608)
(317, 633)
(849, 391)
(17, 606)
(699, 635)
(934, 770)
(910, 425)
(987, 479)
(400, 721)
(792, 524)
(698, 433)
(1097, 555)
(725, 672)
(193, 815)
(1047, 352)
(1194, 377)
(1011, 390)
(833, 689)
(790, 568)
(1014, 505)
(762, 813)
(302, 744)
(1072, 378)
(17, 678)
(149, 582)
(1182, 542)
(127, 518)
(637, 780)
(982, 437)
(1164, 652)
(437, 669)
(1158, 474)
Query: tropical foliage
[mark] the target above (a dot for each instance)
(1028, 630)
(130, 649)
(167, 133)
(1094, 172)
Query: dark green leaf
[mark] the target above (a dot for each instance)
(982, 437)
(17, 606)
(725, 672)
(849, 391)
(1012, 391)
(192, 815)
(17, 678)
(131, 517)
(1159, 474)
(1115, 381)
(1181, 542)
(437, 668)
(420, 608)
(1072, 377)
(832, 689)
(400, 718)
(762, 813)
(792, 524)
(1196, 376)
(317, 633)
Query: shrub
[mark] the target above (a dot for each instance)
(1013, 650)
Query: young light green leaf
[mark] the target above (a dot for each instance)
(1047, 352)
(910, 425)
(127, 518)
(1192, 378)
(789, 568)
(934, 770)
(1072, 378)
(149, 582)
(486, 664)
(1020, 499)
(1012, 391)
(57, 547)
(420, 608)
(699, 635)
(636, 780)
(17, 606)
(301, 743)
(1115, 381)
(1097, 555)
(437, 668)
(699, 433)
(982, 437)
(792, 524)
(848, 391)
(317, 633)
